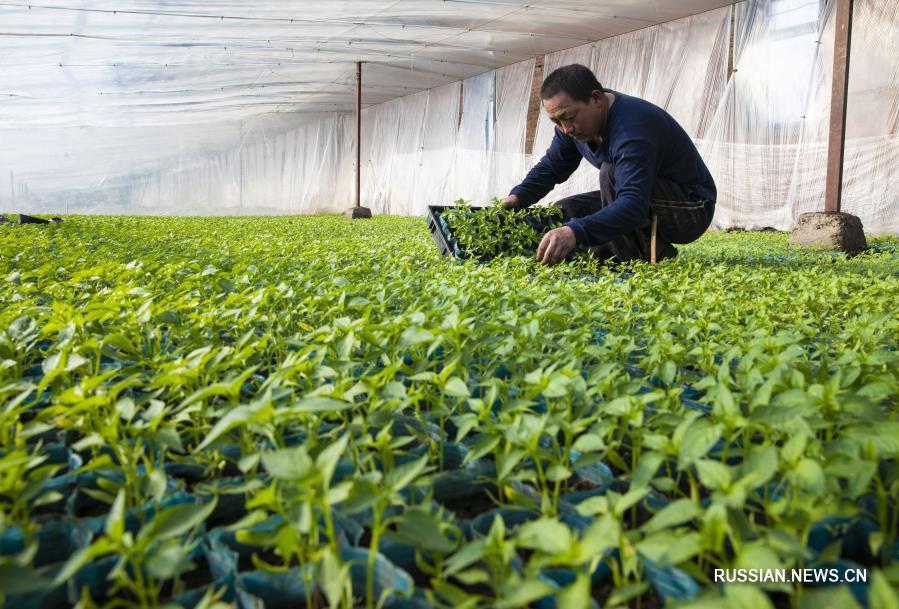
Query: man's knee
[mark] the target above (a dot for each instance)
(684, 224)
(578, 206)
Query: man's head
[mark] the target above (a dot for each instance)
(575, 102)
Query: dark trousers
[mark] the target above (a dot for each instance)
(681, 218)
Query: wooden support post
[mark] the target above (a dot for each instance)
(357, 211)
(534, 104)
(839, 94)
(653, 240)
(730, 42)
(358, 133)
(832, 228)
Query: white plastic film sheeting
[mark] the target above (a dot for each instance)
(391, 147)
(458, 141)
(475, 139)
(433, 176)
(490, 157)
(268, 164)
(753, 146)
(871, 172)
(767, 145)
(508, 162)
(303, 169)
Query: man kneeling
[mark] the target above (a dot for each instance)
(649, 172)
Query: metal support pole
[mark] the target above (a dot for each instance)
(358, 133)
(839, 94)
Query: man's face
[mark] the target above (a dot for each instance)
(581, 120)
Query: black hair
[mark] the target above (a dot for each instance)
(578, 81)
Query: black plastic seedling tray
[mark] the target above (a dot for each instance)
(446, 241)
(26, 219)
(440, 231)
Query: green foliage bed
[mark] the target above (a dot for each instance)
(243, 410)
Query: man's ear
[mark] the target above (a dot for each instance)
(596, 95)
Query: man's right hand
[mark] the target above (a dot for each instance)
(511, 202)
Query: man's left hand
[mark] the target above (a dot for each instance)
(556, 244)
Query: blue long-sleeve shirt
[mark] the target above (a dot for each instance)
(644, 143)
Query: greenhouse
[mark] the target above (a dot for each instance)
(424, 304)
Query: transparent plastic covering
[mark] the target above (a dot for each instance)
(222, 107)
(767, 143)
